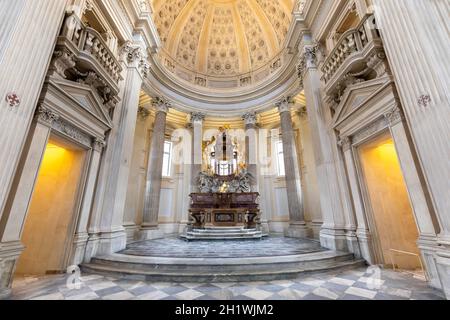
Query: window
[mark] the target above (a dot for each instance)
(167, 159)
(280, 159)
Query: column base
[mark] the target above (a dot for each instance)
(9, 255)
(105, 243)
(131, 230)
(5, 293)
(428, 248)
(150, 233)
(443, 270)
(79, 248)
(298, 230)
(333, 239)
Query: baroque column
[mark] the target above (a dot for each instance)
(197, 138)
(333, 233)
(251, 142)
(417, 46)
(107, 234)
(297, 225)
(149, 227)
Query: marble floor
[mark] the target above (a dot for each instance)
(356, 284)
(267, 247)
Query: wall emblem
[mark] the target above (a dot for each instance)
(13, 99)
(424, 100)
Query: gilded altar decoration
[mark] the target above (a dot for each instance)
(236, 183)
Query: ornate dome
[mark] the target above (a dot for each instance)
(221, 38)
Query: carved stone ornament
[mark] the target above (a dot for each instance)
(161, 104)
(394, 116)
(46, 116)
(12, 99)
(284, 105)
(98, 144)
(345, 143)
(63, 60)
(72, 132)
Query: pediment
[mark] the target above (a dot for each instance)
(88, 99)
(354, 98)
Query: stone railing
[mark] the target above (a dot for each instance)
(351, 43)
(90, 48)
(222, 82)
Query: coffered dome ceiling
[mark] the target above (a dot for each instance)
(222, 38)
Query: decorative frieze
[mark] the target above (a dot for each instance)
(72, 132)
(370, 130)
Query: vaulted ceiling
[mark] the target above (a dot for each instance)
(222, 37)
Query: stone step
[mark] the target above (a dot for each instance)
(219, 269)
(223, 230)
(228, 237)
(223, 233)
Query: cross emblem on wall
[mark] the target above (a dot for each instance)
(13, 99)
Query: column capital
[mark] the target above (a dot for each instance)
(285, 104)
(309, 57)
(394, 116)
(46, 116)
(135, 55)
(161, 104)
(98, 144)
(345, 143)
(249, 118)
(197, 117)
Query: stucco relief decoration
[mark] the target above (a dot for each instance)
(13, 99)
(424, 100)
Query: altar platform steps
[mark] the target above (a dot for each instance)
(223, 233)
(268, 268)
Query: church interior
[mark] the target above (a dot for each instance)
(224, 149)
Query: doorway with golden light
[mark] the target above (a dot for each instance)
(388, 206)
(49, 226)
